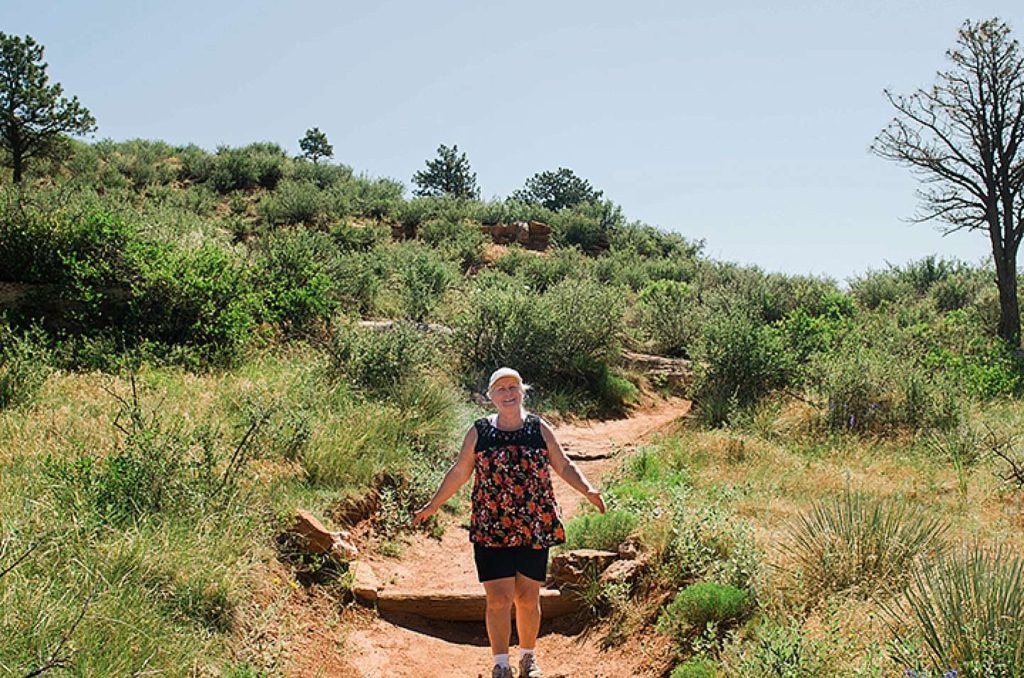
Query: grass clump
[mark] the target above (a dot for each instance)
(963, 613)
(703, 604)
(24, 364)
(603, 531)
(697, 667)
(855, 541)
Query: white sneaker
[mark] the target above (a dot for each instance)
(528, 667)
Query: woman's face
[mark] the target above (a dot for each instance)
(507, 394)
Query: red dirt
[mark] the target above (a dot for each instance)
(413, 647)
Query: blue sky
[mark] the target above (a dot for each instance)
(746, 125)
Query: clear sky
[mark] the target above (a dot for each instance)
(746, 125)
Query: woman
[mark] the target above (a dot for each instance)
(514, 515)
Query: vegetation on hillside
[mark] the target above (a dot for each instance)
(193, 342)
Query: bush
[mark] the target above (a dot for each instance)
(866, 390)
(78, 245)
(160, 465)
(24, 364)
(586, 226)
(962, 613)
(691, 540)
(294, 202)
(538, 272)
(859, 542)
(379, 360)
(695, 668)
(701, 604)
(777, 651)
(296, 272)
(459, 241)
(256, 165)
(421, 279)
(602, 531)
(739, 362)
(504, 324)
(665, 311)
(202, 298)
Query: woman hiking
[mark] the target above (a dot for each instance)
(514, 515)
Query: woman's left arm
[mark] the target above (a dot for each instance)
(569, 472)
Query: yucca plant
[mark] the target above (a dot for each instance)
(963, 614)
(855, 541)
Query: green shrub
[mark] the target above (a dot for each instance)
(368, 198)
(421, 279)
(294, 202)
(24, 364)
(666, 315)
(739, 362)
(858, 542)
(379, 360)
(695, 668)
(256, 165)
(74, 245)
(323, 175)
(866, 390)
(540, 273)
(359, 278)
(586, 226)
(158, 465)
(964, 613)
(777, 651)
(296, 272)
(459, 241)
(352, 238)
(602, 531)
(504, 324)
(693, 540)
(202, 298)
(701, 604)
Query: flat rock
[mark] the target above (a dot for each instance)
(365, 585)
(573, 568)
(465, 605)
(622, 572)
(311, 535)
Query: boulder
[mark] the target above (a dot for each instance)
(630, 549)
(573, 568)
(365, 585)
(622, 572)
(311, 535)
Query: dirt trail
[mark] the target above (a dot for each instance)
(396, 647)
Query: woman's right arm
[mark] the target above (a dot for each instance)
(456, 477)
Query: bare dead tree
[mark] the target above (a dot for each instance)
(964, 138)
(1002, 448)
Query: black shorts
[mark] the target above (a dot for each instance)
(499, 563)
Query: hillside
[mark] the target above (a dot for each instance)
(185, 359)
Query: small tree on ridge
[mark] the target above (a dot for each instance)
(447, 175)
(557, 190)
(315, 145)
(34, 116)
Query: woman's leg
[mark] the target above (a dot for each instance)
(527, 599)
(500, 594)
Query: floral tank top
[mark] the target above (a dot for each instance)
(513, 501)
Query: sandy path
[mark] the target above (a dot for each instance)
(414, 647)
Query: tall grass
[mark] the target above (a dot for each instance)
(855, 541)
(963, 613)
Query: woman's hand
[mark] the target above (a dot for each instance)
(594, 497)
(423, 514)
